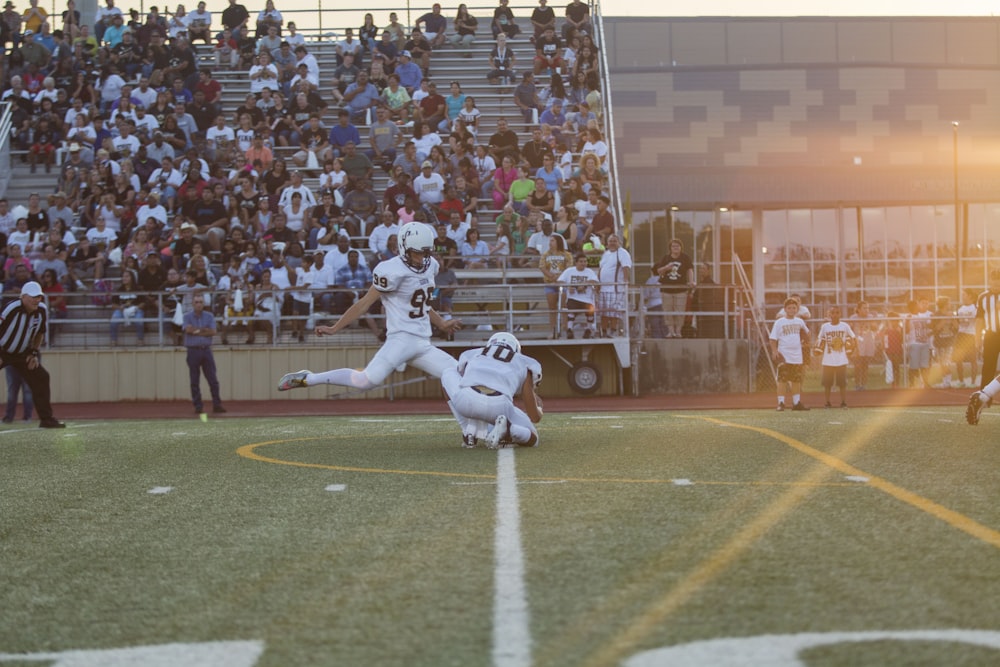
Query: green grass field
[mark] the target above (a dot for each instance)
(373, 541)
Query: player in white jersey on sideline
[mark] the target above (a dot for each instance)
(482, 388)
(404, 284)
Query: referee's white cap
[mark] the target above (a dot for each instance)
(31, 288)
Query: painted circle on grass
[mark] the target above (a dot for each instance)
(250, 452)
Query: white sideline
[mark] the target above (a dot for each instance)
(511, 634)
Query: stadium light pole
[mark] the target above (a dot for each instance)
(959, 235)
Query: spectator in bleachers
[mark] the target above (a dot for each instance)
(269, 42)
(360, 209)
(408, 161)
(548, 53)
(503, 21)
(431, 108)
(43, 146)
(474, 251)
(541, 199)
(383, 137)
(535, 150)
(343, 76)
(368, 32)
(105, 18)
(457, 229)
(542, 17)
(360, 96)
(356, 164)
(313, 145)
(227, 50)
(325, 218)
(424, 139)
(586, 62)
(502, 61)
(199, 24)
(395, 196)
(504, 246)
(429, 187)
(378, 240)
(554, 118)
(590, 174)
(349, 45)
(408, 72)
(503, 179)
(435, 26)
(440, 162)
(465, 30)
(419, 48)
(295, 216)
(577, 19)
(235, 17)
(386, 50)
(520, 190)
(11, 31)
(552, 264)
(526, 98)
(444, 246)
(263, 75)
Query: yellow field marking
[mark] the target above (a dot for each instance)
(719, 561)
(250, 452)
(951, 517)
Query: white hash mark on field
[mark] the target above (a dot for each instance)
(856, 478)
(617, 426)
(160, 490)
(178, 434)
(335, 487)
(835, 423)
(511, 636)
(206, 654)
(784, 650)
(682, 482)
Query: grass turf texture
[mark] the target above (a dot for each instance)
(397, 568)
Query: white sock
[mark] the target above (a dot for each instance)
(781, 400)
(345, 377)
(519, 434)
(796, 398)
(992, 389)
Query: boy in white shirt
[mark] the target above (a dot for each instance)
(787, 337)
(835, 342)
(582, 284)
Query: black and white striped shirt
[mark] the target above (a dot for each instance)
(988, 310)
(18, 328)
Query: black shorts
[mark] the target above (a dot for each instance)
(834, 375)
(790, 372)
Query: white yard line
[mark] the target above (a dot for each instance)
(511, 634)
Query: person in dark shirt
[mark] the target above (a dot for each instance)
(503, 142)
(235, 17)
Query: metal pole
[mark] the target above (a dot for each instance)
(959, 236)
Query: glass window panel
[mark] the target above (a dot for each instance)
(991, 226)
(800, 236)
(924, 275)
(898, 285)
(775, 277)
(975, 239)
(849, 234)
(774, 236)
(641, 236)
(824, 235)
(873, 227)
(799, 277)
(897, 232)
(944, 231)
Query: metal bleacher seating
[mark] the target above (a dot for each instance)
(503, 297)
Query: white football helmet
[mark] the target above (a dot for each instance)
(504, 339)
(416, 237)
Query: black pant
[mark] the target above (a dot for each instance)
(37, 379)
(991, 349)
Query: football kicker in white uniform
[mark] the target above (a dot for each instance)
(404, 283)
(482, 389)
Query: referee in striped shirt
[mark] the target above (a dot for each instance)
(22, 329)
(988, 319)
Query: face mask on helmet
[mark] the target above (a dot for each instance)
(504, 339)
(415, 243)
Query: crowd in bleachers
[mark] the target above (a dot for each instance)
(285, 196)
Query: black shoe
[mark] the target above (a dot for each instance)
(843, 404)
(780, 408)
(570, 335)
(51, 422)
(798, 407)
(218, 409)
(828, 405)
(588, 334)
(8, 420)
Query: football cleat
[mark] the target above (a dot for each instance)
(780, 408)
(469, 441)
(976, 405)
(498, 433)
(798, 407)
(293, 381)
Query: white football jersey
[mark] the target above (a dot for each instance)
(406, 295)
(788, 334)
(833, 340)
(499, 368)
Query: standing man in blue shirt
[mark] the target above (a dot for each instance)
(199, 328)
